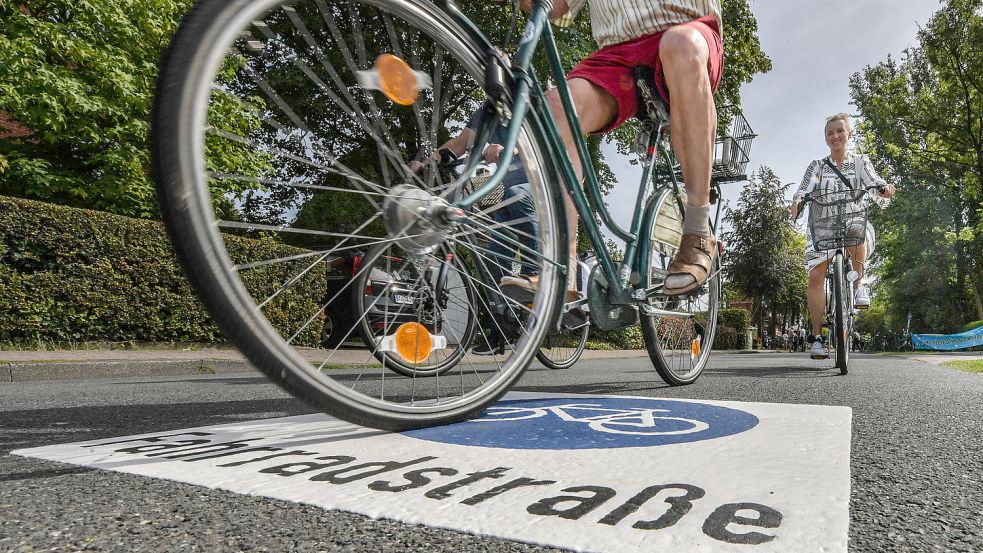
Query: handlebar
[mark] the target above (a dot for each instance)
(808, 197)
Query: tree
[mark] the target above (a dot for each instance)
(76, 85)
(764, 254)
(923, 121)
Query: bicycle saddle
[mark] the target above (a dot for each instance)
(651, 106)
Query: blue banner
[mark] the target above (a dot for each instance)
(948, 342)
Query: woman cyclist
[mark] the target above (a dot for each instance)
(828, 175)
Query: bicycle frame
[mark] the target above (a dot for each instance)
(529, 100)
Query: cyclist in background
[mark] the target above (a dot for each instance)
(680, 40)
(828, 175)
(516, 208)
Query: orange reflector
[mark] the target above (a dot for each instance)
(695, 348)
(413, 342)
(396, 79)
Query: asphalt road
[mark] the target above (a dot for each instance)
(916, 457)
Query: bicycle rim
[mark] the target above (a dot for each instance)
(679, 345)
(274, 157)
(564, 348)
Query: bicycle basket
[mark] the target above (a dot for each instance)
(492, 198)
(731, 152)
(837, 219)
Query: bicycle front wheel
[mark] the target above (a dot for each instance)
(282, 131)
(679, 332)
(841, 315)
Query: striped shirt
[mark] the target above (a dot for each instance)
(614, 21)
(819, 175)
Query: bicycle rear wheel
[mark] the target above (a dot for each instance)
(841, 314)
(396, 287)
(281, 134)
(564, 348)
(679, 338)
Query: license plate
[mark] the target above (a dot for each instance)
(400, 298)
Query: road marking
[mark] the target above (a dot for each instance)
(590, 473)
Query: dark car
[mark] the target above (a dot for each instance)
(390, 294)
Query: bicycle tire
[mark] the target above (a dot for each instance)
(671, 343)
(557, 357)
(437, 319)
(213, 47)
(840, 315)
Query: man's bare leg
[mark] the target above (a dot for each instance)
(596, 108)
(685, 54)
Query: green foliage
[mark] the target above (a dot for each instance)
(873, 320)
(726, 338)
(765, 255)
(625, 338)
(77, 78)
(71, 275)
(970, 326)
(734, 318)
(923, 122)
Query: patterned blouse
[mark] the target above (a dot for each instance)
(818, 173)
(614, 21)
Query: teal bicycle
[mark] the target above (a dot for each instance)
(282, 135)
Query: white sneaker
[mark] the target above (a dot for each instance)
(818, 350)
(861, 298)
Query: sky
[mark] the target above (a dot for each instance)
(815, 46)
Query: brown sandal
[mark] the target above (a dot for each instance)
(695, 258)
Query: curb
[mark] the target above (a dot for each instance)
(35, 371)
(77, 370)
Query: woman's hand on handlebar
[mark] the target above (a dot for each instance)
(887, 191)
(795, 207)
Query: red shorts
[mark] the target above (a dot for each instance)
(611, 67)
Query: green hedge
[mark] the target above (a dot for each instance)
(738, 319)
(625, 338)
(73, 275)
(726, 338)
(732, 326)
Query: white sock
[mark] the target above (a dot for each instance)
(697, 220)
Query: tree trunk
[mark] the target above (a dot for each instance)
(978, 295)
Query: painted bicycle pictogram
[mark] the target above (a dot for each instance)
(592, 422)
(638, 420)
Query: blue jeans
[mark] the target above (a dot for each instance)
(504, 253)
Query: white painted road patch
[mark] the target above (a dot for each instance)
(589, 473)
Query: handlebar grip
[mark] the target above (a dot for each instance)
(805, 199)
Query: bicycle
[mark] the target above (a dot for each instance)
(274, 122)
(562, 348)
(838, 220)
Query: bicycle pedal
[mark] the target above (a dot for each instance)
(579, 304)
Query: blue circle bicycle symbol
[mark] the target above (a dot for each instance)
(591, 423)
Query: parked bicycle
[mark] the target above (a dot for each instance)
(838, 220)
(280, 120)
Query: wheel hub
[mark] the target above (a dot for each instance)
(417, 220)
